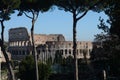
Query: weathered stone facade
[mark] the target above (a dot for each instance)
(46, 45)
(65, 48)
(19, 43)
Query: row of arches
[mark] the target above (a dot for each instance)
(20, 52)
(20, 43)
(45, 54)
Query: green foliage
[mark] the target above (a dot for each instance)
(66, 65)
(105, 35)
(58, 57)
(81, 5)
(111, 44)
(37, 5)
(3, 66)
(69, 64)
(7, 7)
(15, 64)
(113, 12)
(44, 71)
(27, 69)
(49, 61)
(103, 26)
(34, 7)
(79, 9)
(9, 4)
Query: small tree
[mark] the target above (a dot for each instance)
(110, 40)
(113, 46)
(78, 8)
(113, 11)
(34, 7)
(58, 57)
(27, 69)
(6, 9)
(44, 71)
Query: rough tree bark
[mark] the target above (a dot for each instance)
(33, 45)
(75, 46)
(10, 69)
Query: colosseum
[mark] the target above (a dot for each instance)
(46, 45)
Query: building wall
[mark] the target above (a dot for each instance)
(20, 41)
(65, 48)
(43, 38)
(46, 45)
(18, 34)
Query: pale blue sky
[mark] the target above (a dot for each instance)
(59, 22)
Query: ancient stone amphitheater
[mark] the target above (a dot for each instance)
(46, 45)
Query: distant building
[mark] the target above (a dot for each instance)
(46, 45)
(65, 48)
(19, 43)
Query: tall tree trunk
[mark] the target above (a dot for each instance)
(34, 49)
(9, 66)
(75, 47)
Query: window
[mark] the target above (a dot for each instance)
(23, 52)
(77, 51)
(86, 46)
(49, 50)
(69, 44)
(90, 50)
(69, 51)
(65, 51)
(62, 52)
(81, 51)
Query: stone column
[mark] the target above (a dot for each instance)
(24, 43)
(42, 56)
(104, 75)
(63, 52)
(46, 52)
(18, 43)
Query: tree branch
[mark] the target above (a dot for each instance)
(27, 15)
(95, 4)
(89, 9)
(37, 14)
(70, 3)
(82, 15)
